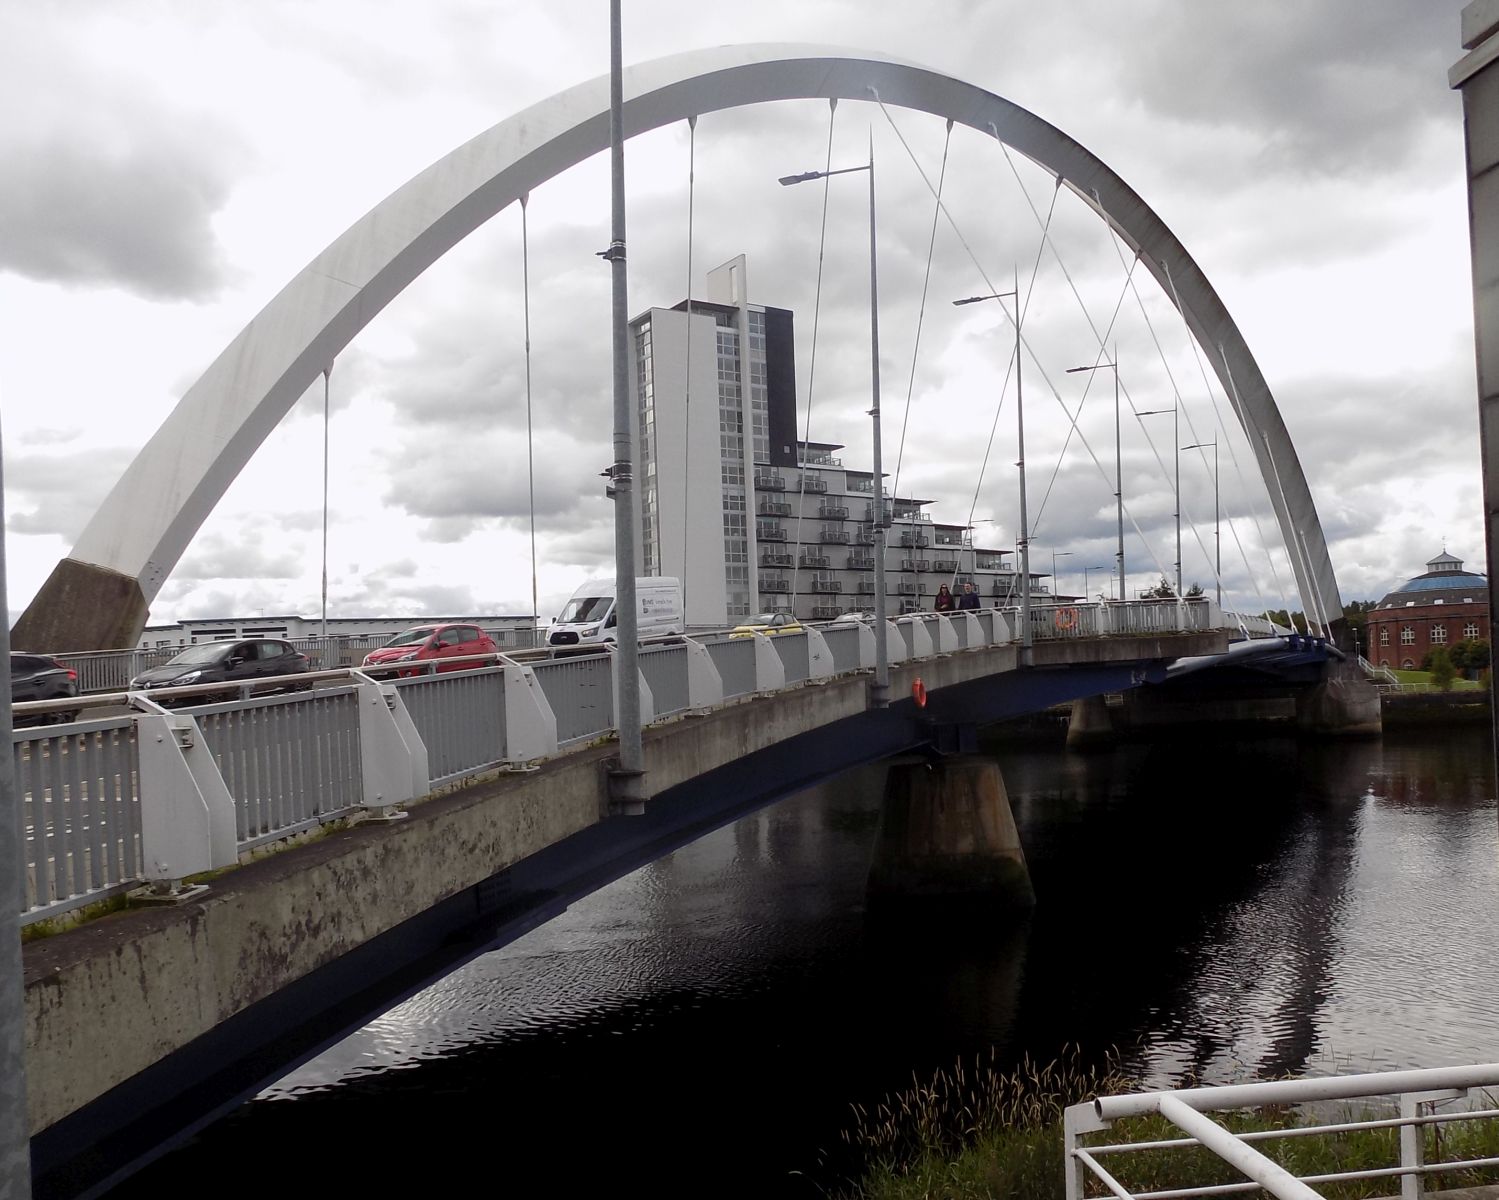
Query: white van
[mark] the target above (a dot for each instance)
(589, 617)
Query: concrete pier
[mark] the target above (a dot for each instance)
(1090, 726)
(947, 833)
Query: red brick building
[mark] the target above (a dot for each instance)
(1440, 608)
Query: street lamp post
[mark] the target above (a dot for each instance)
(1217, 538)
(879, 695)
(1118, 464)
(1175, 411)
(1024, 541)
(1086, 570)
(1056, 554)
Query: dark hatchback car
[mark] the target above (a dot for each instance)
(238, 663)
(37, 677)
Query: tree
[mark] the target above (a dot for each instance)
(1470, 656)
(1442, 670)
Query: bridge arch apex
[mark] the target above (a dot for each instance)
(99, 595)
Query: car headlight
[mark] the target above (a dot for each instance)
(590, 631)
(407, 657)
(183, 680)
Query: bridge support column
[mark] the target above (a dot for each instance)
(947, 833)
(1340, 707)
(1090, 725)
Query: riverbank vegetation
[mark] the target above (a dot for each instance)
(977, 1132)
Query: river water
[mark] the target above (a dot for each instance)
(1210, 909)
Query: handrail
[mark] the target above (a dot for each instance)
(1418, 1091)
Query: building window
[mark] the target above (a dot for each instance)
(1407, 636)
(1407, 665)
(1439, 635)
(1470, 630)
(1384, 637)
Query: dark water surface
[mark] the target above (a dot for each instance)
(1220, 908)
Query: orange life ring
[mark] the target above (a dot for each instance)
(1065, 618)
(918, 693)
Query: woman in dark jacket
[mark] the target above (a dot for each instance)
(944, 602)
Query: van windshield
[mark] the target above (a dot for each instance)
(581, 610)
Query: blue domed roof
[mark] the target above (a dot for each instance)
(1443, 581)
(1444, 575)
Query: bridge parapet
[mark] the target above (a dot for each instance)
(114, 804)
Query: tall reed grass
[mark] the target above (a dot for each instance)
(975, 1132)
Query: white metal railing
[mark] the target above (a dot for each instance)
(138, 792)
(112, 670)
(1383, 674)
(1418, 1093)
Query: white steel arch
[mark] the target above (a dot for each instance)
(147, 521)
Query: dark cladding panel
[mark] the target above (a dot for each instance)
(780, 369)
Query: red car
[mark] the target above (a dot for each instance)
(434, 641)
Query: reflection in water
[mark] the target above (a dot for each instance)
(1215, 909)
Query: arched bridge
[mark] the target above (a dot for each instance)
(99, 595)
(455, 812)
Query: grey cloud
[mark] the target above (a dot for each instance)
(244, 556)
(58, 493)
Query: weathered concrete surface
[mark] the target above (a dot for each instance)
(1340, 708)
(1090, 724)
(82, 607)
(947, 833)
(110, 998)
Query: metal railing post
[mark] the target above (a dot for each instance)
(1412, 1149)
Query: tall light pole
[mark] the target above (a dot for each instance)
(1085, 578)
(1175, 411)
(1118, 463)
(628, 788)
(1217, 539)
(879, 694)
(1024, 541)
(1056, 554)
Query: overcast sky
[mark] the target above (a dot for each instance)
(178, 163)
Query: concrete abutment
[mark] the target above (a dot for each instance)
(947, 834)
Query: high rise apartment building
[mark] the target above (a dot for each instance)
(751, 518)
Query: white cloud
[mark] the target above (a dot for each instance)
(176, 169)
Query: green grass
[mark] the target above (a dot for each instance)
(977, 1133)
(1423, 679)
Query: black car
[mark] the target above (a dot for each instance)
(36, 677)
(223, 662)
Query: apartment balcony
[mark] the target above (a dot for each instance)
(775, 558)
(773, 508)
(910, 606)
(816, 560)
(949, 539)
(907, 587)
(914, 539)
(915, 564)
(860, 562)
(768, 481)
(944, 564)
(810, 483)
(833, 512)
(774, 583)
(866, 587)
(834, 535)
(770, 533)
(827, 585)
(825, 612)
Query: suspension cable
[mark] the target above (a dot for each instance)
(1244, 489)
(525, 270)
(983, 467)
(984, 275)
(687, 384)
(926, 279)
(801, 469)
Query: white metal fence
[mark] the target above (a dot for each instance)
(1419, 1094)
(146, 794)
